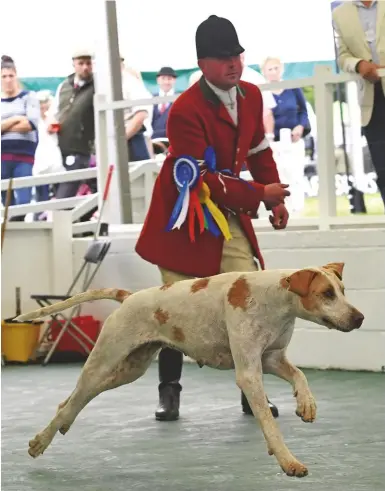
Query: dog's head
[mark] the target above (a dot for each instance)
(321, 297)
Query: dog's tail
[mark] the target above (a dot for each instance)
(104, 293)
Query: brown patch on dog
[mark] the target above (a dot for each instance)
(200, 284)
(121, 295)
(161, 316)
(239, 294)
(178, 334)
(166, 286)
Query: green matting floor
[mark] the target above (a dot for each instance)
(117, 445)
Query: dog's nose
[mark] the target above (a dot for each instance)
(357, 319)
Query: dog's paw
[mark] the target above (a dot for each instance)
(38, 445)
(294, 468)
(306, 407)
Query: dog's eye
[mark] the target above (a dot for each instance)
(330, 293)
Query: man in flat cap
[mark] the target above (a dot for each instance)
(166, 78)
(72, 117)
(214, 127)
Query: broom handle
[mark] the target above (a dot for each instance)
(18, 301)
(5, 217)
(105, 196)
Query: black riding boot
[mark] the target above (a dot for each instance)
(169, 400)
(247, 409)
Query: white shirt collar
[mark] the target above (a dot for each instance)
(227, 97)
(78, 81)
(162, 93)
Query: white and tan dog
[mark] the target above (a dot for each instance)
(234, 320)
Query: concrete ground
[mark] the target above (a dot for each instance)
(117, 445)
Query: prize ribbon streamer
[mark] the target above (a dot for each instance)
(186, 176)
(216, 214)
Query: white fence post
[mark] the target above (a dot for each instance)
(325, 147)
(62, 262)
(101, 145)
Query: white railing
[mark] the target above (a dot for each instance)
(78, 204)
(323, 82)
(143, 173)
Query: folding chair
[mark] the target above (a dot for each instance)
(95, 255)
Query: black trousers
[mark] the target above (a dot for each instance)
(375, 136)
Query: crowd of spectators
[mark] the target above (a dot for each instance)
(46, 133)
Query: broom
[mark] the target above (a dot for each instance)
(3, 227)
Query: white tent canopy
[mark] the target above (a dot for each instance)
(41, 35)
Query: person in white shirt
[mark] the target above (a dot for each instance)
(136, 118)
(194, 77)
(253, 77)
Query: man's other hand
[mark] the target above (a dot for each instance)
(280, 217)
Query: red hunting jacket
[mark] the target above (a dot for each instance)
(197, 120)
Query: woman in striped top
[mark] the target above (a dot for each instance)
(20, 113)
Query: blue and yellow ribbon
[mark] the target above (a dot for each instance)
(214, 213)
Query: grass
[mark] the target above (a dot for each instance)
(374, 206)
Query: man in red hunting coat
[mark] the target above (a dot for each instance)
(199, 221)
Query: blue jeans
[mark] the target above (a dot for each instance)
(16, 169)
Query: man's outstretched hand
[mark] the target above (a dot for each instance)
(280, 217)
(275, 194)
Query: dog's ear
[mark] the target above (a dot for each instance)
(336, 268)
(300, 281)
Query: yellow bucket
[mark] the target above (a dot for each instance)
(19, 340)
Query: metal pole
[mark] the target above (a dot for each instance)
(122, 177)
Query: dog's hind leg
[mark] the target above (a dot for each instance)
(100, 372)
(129, 370)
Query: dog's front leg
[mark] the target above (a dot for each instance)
(248, 369)
(249, 380)
(276, 363)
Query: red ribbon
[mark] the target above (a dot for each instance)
(195, 208)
